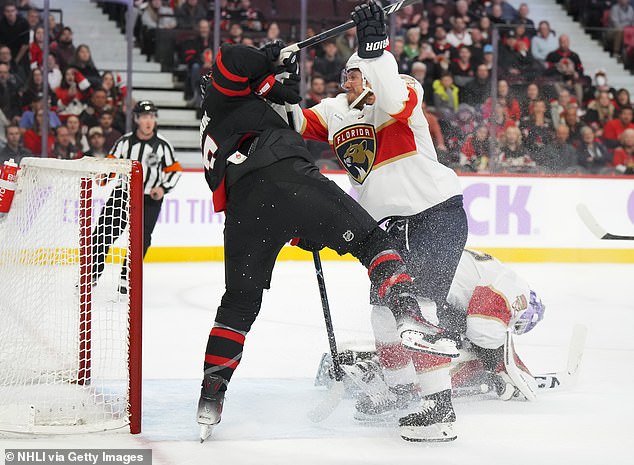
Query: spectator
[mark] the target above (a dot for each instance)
(425, 29)
(527, 100)
(499, 122)
(543, 43)
(34, 21)
(461, 69)
(235, 34)
(54, 73)
(621, 16)
(509, 103)
(106, 121)
(575, 125)
(435, 132)
(33, 87)
(316, 92)
(97, 105)
(537, 129)
(485, 27)
(9, 98)
(251, 18)
(600, 84)
(560, 156)
(406, 18)
(496, 16)
(27, 121)
(477, 47)
(76, 132)
(558, 107)
(189, 13)
(462, 11)
(33, 136)
(476, 92)
(115, 87)
(443, 50)
(592, 155)
(565, 65)
(84, 64)
(17, 72)
(64, 48)
(428, 57)
(600, 111)
(13, 149)
(193, 57)
(14, 33)
(347, 43)
(615, 127)
(507, 12)
(329, 66)
(488, 56)
(96, 141)
(412, 43)
(273, 33)
(459, 35)
(446, 95)
(513, 154)
(54, 29)
(474, 153)
(74, 88)
(155, 16)
(63, 148)
(622, 99)
(523, 19)
(419, 72)
(623, 160)
(36, 49)
(439, 15)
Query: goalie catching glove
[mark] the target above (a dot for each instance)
(371, 29)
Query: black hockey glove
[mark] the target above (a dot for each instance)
(306, 244)
(371, 29)
(286, 91)
(272, 50)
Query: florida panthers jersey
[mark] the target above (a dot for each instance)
(491, 294)
(386, 147)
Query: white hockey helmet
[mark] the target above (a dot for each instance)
(356, 62)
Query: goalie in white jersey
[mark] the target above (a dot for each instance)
(381, 138)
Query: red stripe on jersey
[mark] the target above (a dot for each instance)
(227, 334)
(392, 356)
(383, 258)
(314, 127)
(487, 303)
(229, 92)
(219, 197)
(221, 361)
(428, 362)
(391, 281)
(226, 73)
(410, 104)
(394, 140)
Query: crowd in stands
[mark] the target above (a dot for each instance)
(547, 112)
(86, 104)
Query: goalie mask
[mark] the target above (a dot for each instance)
(355, 63)
(529, 318)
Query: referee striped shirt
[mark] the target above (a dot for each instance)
(160, 167)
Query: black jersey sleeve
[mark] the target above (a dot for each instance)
(240, 69)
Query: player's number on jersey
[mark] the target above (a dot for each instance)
(209, 153)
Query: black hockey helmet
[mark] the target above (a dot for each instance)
(145, 106)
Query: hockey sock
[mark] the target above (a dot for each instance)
(392, 283)
(224, 351)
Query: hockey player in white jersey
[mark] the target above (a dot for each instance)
(492, 304)
(381, 138)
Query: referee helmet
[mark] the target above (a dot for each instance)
(145, 106)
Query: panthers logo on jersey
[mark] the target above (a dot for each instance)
(355, 147)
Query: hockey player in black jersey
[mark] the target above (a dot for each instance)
(263, 178)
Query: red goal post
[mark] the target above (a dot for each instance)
(70, 342)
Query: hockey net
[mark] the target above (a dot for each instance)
(70, 341)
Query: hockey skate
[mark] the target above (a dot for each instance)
(434, 422)
(210, 404)
(420, 335)
(378, 402)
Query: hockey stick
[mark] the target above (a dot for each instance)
(593, 225)
(335, 31)
(337, 390)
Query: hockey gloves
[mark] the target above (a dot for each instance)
(272, 50)
(371, 29)
(285, 91)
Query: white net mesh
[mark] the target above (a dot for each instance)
(64, 324)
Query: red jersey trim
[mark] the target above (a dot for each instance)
(229, 92)
(219, 198)
(228, 74)
(266, 86)
(487, 302)
(314, 127)
(410, 104)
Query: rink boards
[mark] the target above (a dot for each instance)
(517, 218)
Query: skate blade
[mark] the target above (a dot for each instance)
(414, 340)
(205, 432)
(439, 432)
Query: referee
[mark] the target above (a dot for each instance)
(161, 172)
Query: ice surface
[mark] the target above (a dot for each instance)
(265, 419)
